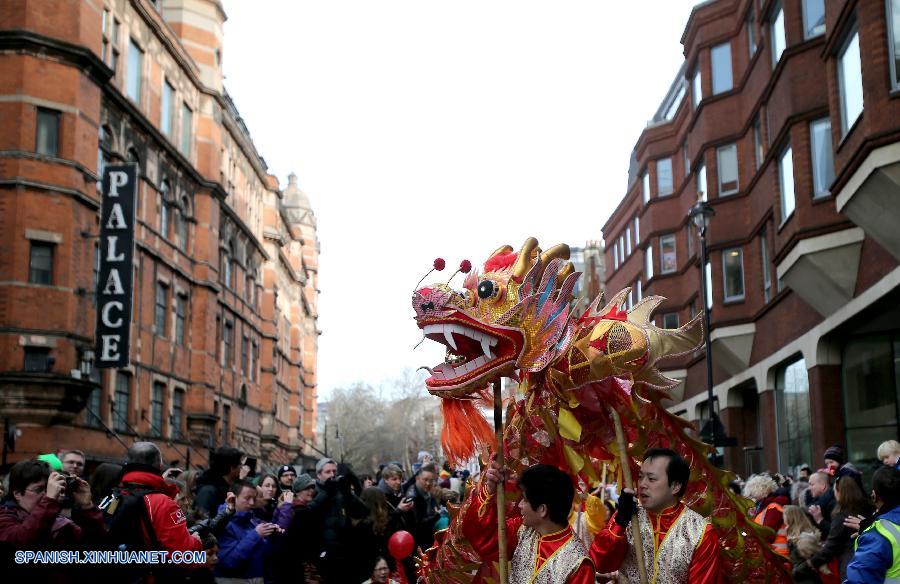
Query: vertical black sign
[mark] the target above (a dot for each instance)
(116, 272)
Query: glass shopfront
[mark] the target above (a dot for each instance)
(793, 417)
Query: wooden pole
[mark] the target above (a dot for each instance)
(629, 484)
(501, 488)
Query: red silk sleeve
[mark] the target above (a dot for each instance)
(480, 527)
(609, 548)
(705, 563)
(583, 575)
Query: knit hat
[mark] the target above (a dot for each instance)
(303, 482)
(322, 462)
(835, 453)
(285, 468)
(444, 474)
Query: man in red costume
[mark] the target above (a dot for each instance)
(679, 544)
(543, 547)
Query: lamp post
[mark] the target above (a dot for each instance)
(700, 214)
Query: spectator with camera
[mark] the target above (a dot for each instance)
(246, 541)
(337, 506)
(73, 462)
(425, 505)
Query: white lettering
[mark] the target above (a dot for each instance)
(109, 344)
(111, 249)
(104, 314)
(117, 179)
(116, 218)
(113, 283)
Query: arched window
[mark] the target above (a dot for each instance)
(164, 209)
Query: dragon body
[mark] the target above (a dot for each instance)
(516, 319)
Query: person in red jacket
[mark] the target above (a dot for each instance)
(679, 544)
(143, 470)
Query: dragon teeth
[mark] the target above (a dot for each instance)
(486, 346)
(448, 335)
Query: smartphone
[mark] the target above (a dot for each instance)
(407, 500)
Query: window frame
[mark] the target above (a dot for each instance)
(847, 124)
(228, 342)
(645, 186)
(157, 408)
(36, 359)
(120, 411)
(737, 179)
(696, 86)
(659, 185)
(786, 153)
(759, 147)
(702, 178)
(892, 7)
(766, 268)
(807, 35)
(823, 192)
(160, 308)
(726, 253)
(35, 272)
(664, 318)
(181, 300)
(134, 79)
(175, 419)
(44, 147)
(648, 261)
(185, 142)
(750, 25)
(664, 240)
(718, 85)
(776, 18)
(166, 110)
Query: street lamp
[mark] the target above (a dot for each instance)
(700, 214)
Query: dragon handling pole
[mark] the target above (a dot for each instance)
(501, 488)
(629, 484)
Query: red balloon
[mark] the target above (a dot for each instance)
(401, 545)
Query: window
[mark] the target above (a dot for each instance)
(135, 72)
(181, 227)
(180, 311)
(670, 320)
(850, 82)
(40, 263)
(114, 37)
(822, 157)
(638, 290)
(778, 39)
(92, 410)
(758, 144)
(616, 255)
(764, 258)
(709, 291)
(664, 182)
(733, 273)
(675, 103)
(104, 51)
(167, 115)
(226, 424)
(792, 415)
(120, 404)
(687, 159)
(751, 32)
(245, 355)
(727, 159)
(668, 260)
(156, 408)
(254, 360)
(187, 129)
(37, 360)
(637, 230)
(164, 209)
(894, 41)
(648, 261)
(175, 420)
(786, 183)
(645, 187)
(696, 89)
(690, 238)
(228, 338)
(159, 319)
(813, 18)
(251, 291)
(701, 182)
(225, 268)
(628, 240)
(721, 68)
(46, 138)
(630, 298)
(621, 248)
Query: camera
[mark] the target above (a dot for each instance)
(71, 484)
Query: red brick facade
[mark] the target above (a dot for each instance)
(221, 251)
(832, 264)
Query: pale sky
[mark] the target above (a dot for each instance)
(424, 129)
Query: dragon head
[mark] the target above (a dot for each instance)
(512, 316)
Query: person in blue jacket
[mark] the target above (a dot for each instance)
(874, 559)
(247, 541)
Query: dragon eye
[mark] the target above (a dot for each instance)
(487, 289)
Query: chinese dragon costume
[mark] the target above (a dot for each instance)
(516, 319)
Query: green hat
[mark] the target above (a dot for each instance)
(53, 460)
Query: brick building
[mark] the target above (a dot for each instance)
(223, 346)
(785, 117)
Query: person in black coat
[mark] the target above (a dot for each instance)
(212, 485)
(336, 506)
(425, 506)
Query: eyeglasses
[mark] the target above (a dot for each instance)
(37, 490)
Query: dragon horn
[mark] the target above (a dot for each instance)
(557, 251)
(500, 250)
(567, 269)
(523, 262)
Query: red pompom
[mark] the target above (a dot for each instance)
(401, 544)
(439, 264)
(465, 266)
